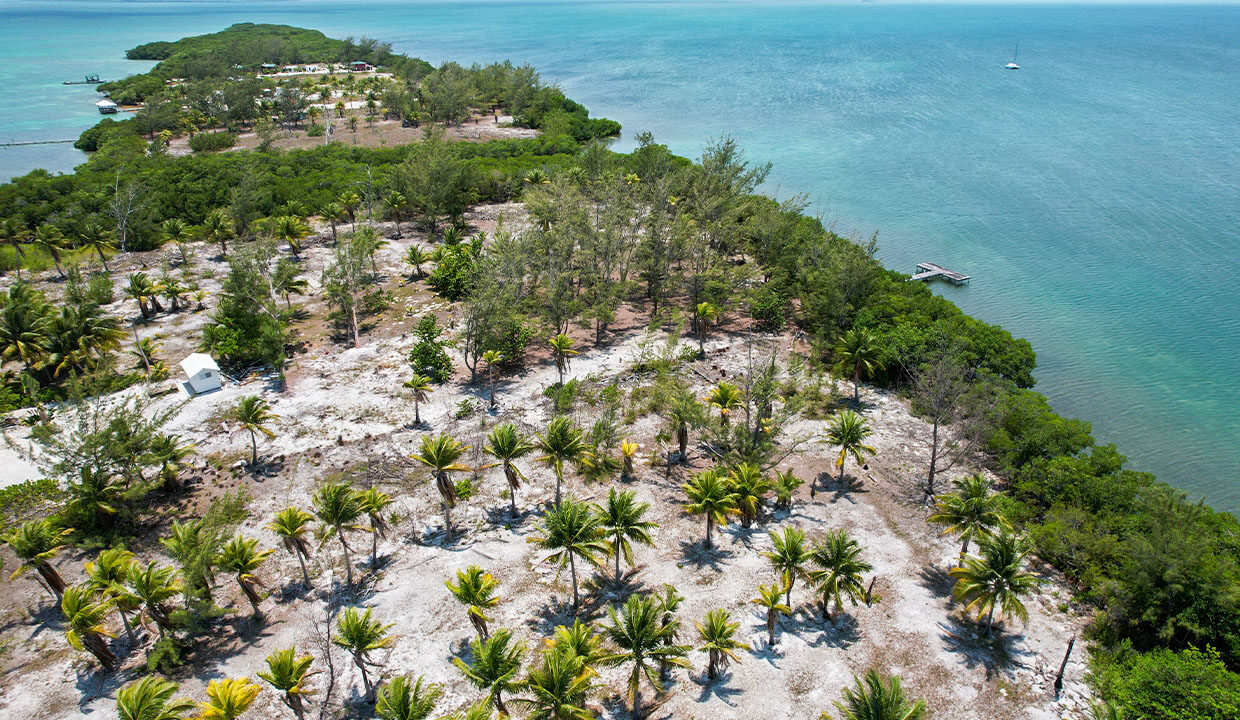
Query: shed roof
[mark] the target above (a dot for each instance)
(105, 103)
(197, 362)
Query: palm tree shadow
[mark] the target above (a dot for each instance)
(607, 591)
(762, 649)
(936, 580)
(841, 634)
(93, 683)
(559, 612)
(695, 552)
(741, 534)
(844, 489)
(1000, 655)
(501, 516)
(717, 687)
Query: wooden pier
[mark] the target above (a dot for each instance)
(929, 271)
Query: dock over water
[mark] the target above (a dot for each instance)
(929, 271)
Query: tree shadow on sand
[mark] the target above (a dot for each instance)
(936, 580)
(717, 687)
(695, 553)
(999, 655)
(807, 623)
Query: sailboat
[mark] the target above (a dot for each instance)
(1012, 65)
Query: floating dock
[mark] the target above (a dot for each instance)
(929, 271)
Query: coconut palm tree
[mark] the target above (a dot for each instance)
(94, 236)
(789, 556)
(623, 525)
(875, 699)
(786, 483)
(995, 579)
(494, 667)
(242, 557)
(640, 637)
(491, 358)
(719, 642)
(217, 226)
(85, 611)
(628, 451)
(406, 699)
(725, 397)
(419, 386)
(292, 230)
(669, 600)
(350, 201)
(562, 349)
(557, 687)
(289, 674)
(253, 413)
(416, 257)
(52, 241)
(711, 495)
(704, 313)
(292, 526)
(580, 639)
(971, 512)
(36, 543)
(771, 598)
(849, 431)
(395, 203)
(441, 454)
(169, 451)
(838, 570)
(750, 487)
(288, 281)
(14, 233)
(153, 586)
(571, 531)
(857, 354)
(228, 699)
(360, 634)
(338, 507)
(141, 289)
(475, 589)
(374, 502)
(151, 698)
(108, 575)
(25, 326)
(333, 213)
(507, 444)
(685, 411)
(563, 442)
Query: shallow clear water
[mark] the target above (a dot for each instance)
(1094, 195)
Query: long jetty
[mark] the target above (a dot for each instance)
(15, 143)
(929, 271)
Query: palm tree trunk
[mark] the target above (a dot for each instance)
(788, 591)
(133, 640)
(843, 462)
(617, 552)
(509, 473)
(964, 549)
(374, 547)
(348, 564)
(710, 525)
(934, 456)
(491, 379)
(559, 476)
(499, 705)
(417, 412)
(770, 628)
(447, 523)
(253, 450)
(361, 665)
(305, 574)
(990, 620)
(572, 566)
(56, 261)
(682, 437)
(103, 259)
(252, 596)
(712, 664)
(637, 698)
(99, 648)
(54, 581)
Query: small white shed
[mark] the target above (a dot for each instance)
(202, 373)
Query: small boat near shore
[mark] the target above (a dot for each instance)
(91, 79)
(1012, 65)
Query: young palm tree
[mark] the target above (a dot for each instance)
(725, 397)
(85, 612)
(95, 497)
(36, 543)
(228, 699)
(623, 525)
(406, 699)
(292, 526)
(242, 556)
(874, 699)
(289, 674)
(52, 241)
(338, 507)
(395, 204)
(287, 280)
(685, 411)
(360, 634)
(558, 687)
(333, 213)
(640, 637)
(669, 600)
(416, 257)
(153, 586)
(971, 512)
(771, 598)
(789, 557)
(572, 531)
(719, 641)
(441, 454)
(496, 662)
(475, 589)
(94, 236)
(350, 201)
(628, 451)
(506, 444)
(253, 413)
(857, 354)
(218, 227)
(579, 639)
(108, 575)
(292, 230)
(374, 502)
(14, 233)
(563, 442)
(849, 431)
(710, 495)
(1104, 710)
(786, 483)
(492, 358)
(704, 314)
(995, 579)
(838, 563)
(750, 487)
(150, 698)
(419, 386)
(562, 349)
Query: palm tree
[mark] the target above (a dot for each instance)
(507, 444)
(558, 687)
(704, 313)
(140, 288)
(491, 358)
(623, 525)
(725, 397)
(786, 483)
(404, 699)
(107, 575)
(571, 531)
(496, 662)
(719, 642)
(85, 612)
(153, 586)
(170, 452)
(395, 204)
(857, 354)
(562, 442)
(175, 230)
(970, 512)
(640, 637)
(287, 281)
(995, 579)
(292, 230)
(475, 588)
(562, 349)
(338, 508)
(289, 674)
(441, 454)
(253, 413)
(242, 556)
(52, 240)
(1104, 710)
(24, 331)
(628, 451)
(838, 563)
(96, 237)
(292, 526)
(217, 226)
(350, 201)
(360, 634)
(150, 698)
(770, 598)
(14, 233)
(710, 495)
(874, 699)
(685, 411)
(418, 386)
(849, 431)
(750, 487)
(374, 502)
(579, 639)
(416, 257)
(35, 543)
(789, 557)
(228, 699)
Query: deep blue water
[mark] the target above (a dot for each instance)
(1094, 195)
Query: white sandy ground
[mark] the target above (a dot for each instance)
(343, 406)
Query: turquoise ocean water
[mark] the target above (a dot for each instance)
(1094, 195)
